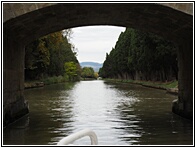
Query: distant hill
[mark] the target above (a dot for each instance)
(94, 65)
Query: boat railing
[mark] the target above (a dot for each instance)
(75, 136)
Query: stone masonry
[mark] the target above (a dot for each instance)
(25, 22)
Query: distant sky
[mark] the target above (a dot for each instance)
(93, 42)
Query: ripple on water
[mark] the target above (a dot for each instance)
(119, 114)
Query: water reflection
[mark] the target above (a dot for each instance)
(120, 114)
(50, 116)
(127, 121)
(144, 117)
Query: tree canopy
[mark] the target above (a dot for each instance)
(88, 72)
(47, 55)
(71, 70)
(141, 55)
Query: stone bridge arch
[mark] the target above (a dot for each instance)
(35, 20)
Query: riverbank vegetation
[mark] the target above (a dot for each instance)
(170, 87)
(52, 59)
(159, 85)
(137, 56)
(89, 73)
(141, 56)
(46, 59)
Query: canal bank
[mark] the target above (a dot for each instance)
(45, 81)
(49, 81)
(170, 87)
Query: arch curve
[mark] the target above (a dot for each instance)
(159, 19)
(155, 18)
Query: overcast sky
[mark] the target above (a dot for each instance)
(93, 42)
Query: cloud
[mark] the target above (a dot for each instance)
(94, 41)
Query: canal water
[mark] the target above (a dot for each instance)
(120, 114)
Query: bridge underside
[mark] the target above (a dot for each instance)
(167, 22)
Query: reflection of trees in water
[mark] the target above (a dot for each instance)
(16, 131)
(50, 117)
(127, 114)
(60, 112)
(144, 117)
(128, 121)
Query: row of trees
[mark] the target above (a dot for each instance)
(54, 55)
(143, 56)
(46, 56)
(88, 72)
(73, 72)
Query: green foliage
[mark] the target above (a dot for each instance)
(161, 85)
(54, 79)
(141, 55)
(87, 72)
(96, 75)
(46, 56)
(71, 70)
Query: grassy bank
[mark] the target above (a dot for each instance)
(48, 81)
(159, 85)
(53, 80)
(33, 84)
(45, 81)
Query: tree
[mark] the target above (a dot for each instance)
(68, 33)
(70, 70)
(61, 52)
(96, 75)
(37, 59)
(46, 56)
(141, 55)
(87, 72)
